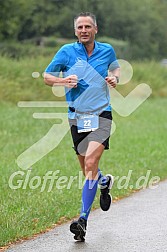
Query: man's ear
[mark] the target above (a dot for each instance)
(96, 29)
(75, 33)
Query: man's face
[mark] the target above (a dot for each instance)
(85, 30)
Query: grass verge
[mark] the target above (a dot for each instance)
(138, 145)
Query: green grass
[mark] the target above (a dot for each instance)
(151, 73)
(138, 144)
(16, 82)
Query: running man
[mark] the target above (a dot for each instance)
(89, 68)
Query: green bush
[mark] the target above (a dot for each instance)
(45, 46)
(19, 50)
(56, 42)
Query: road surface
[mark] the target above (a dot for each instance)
(133, 224)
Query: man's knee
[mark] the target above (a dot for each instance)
(91, 166)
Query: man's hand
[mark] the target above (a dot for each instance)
(111, 81)
(70, 81)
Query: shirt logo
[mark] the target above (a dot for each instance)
(79, 62)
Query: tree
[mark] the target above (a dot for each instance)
(141, 23)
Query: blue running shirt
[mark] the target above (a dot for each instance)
(92, 93)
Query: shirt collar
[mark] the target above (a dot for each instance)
(79, 46)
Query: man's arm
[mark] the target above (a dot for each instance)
(70, 81)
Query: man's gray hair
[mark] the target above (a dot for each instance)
(85, 14)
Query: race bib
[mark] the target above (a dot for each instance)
(86, 123)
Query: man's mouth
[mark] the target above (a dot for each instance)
(84, 36)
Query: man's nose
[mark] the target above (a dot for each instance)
(83, 29)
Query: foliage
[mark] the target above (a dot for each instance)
(19, 50)
(49, 45)
(140, 23)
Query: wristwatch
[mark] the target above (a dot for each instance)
(117, 78)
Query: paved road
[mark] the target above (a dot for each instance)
(133, 224)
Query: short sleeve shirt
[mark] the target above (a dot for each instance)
(92, 93)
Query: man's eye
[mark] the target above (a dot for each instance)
(86, 27)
